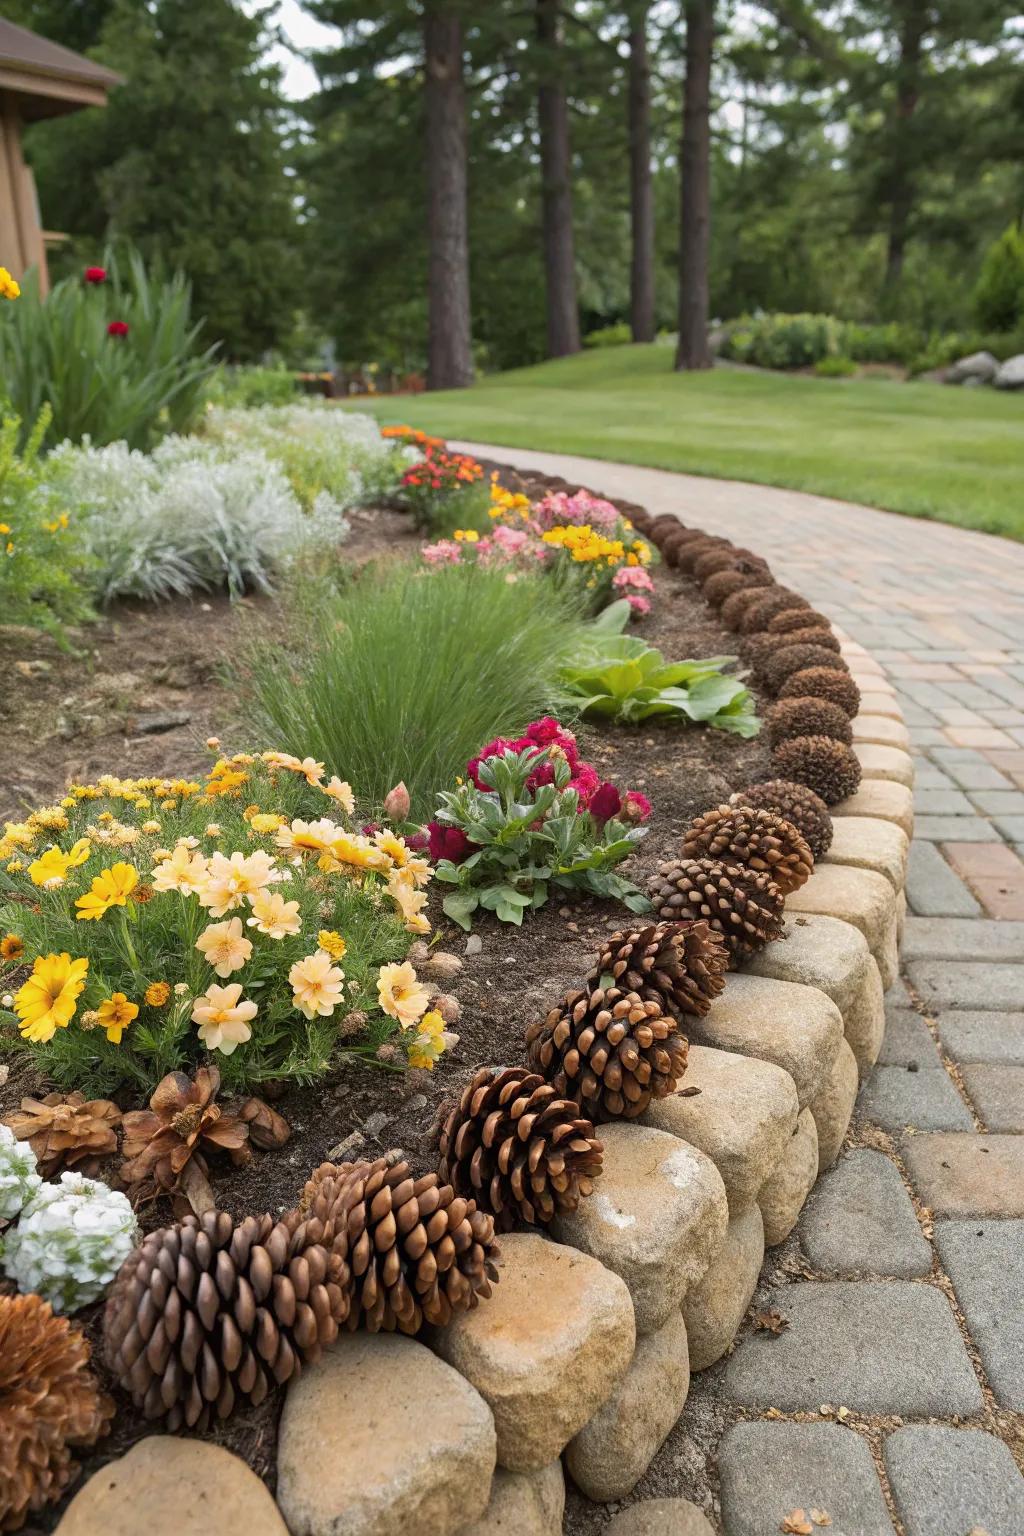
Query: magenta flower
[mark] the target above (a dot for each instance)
(448, 843)
(637, 807)
(605, 802)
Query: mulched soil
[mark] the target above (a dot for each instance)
(76, 716)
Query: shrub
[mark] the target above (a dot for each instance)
(404, 672)
(835, 367)
(176, 917)
(247, 386)
(40, 545)
(619, 335)
(114, 355)
(783, 341)
(999, 292)
(444, 490)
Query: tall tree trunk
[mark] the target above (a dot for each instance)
(902, 155)
(641, 189)
(556, 186)
(449, 343)
(695, 200)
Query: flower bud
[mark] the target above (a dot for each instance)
(397, 803)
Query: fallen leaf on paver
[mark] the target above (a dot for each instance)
(796, 1523)
(771, 1321)
(821, 1517)
(688, 1093)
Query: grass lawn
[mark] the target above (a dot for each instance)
(920, 448)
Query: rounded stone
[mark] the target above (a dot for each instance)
(782, 1196)
(834, 1106)
(889, 763)
(173, 1487)
(379, 1438)
(658, 1213)
(610, 1455)
(883, 730)
(858, 896)
(715, 1307)
(742, 1117)
(874, 704)
(865, 842)
(547, 1350)
(661, 1517)
(795, 1026)
(881, 798)
(523, 1504)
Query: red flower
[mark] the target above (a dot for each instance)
(586, 784)
(605, 802)
(637, 807)
(448, 843)
(95, 274)
(117, 328)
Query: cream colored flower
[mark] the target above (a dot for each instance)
(410, 902)
(401, 996)
(317, 984)
(307, 836)
(341, 791)
(311, 770)
(224, 946)
(229, 880)
(223, 1018)
(272, 915)
(183, 871)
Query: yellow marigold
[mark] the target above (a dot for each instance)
(51, 818)
(151, 828)
(115, 1015)
(11, 947)
(15, 866)
(265, 822)
(156, 994)
(9, 288)
(430, 1041)
(47, 1001)
(332, 943)
(110, 888)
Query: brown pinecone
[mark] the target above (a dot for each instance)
(721, 558)
(671, 545)
(206, 1315)
(756, 649)
(609, 1049)
(737, 604)
(791, 619)
(692, 551)
(735, 578)
(823, 683)
(682, 966)
(829, 767)
(417, 1251)
(775, 600)
(756, 839)
(744, 905)
(67, 1130)
(50, 1402)
(806, 717)
(806, 634)
(797, 658)
(517, 1148)
(794, 803)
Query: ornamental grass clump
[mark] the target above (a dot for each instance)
(41, 554)
(243, 915)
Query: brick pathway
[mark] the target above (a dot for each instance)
(895, 1398)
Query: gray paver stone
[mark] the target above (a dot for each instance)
(934, 889)
(880, 1346)
(985, 1261)
(950, 1482)
(908, 1041)
(942, 802)
(860, 1220)
(968, 984)
(997, 1093)
(954, 829)
(995, 1037)
(963, 938)
(897, 1097)
(768, 1470)
(960, 1175)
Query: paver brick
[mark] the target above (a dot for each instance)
(769, 1469)
(898, 1097)
(985, 1261)
(954, 1482)
(890, 763)
(962, 938)
(942, 802)
(859, 1220)
(999, 802)
(968, 984)
(881, 729)
(934, 889)
(881, 798)
(908, 1041)
(963, 1175)
(961, 829)
(997, 1093)
(989, 1037)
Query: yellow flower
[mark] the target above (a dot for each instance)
(230, 880)
(266, 821)
(332, 942)
(14, 866)
(430, 1042)
(115, 1014)
(341, 791)
(47, 1001)
(213, 829)
(307, 836)
(272, 915)
(467, 535)
(409, 902)
(317, 985)
(11, 947)
(401, 996)
(9, 289)
(224, 946)
(223, 1018)
(156, 994)
(151, 828)
(51, 869)
(110, 888)
(352, 848)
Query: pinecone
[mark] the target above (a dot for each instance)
(743, 905)
(417, 1251)
(664, 525)
(692, 552)
(735, 578)
(756, 649)
(807, 634)
(795, 803)
(823, 683)
(737, 604)
(754, 839)
(517, 1148)
(50, 1402)
(791, 619)
(806, 717)
(829, 767)
(610, 1049)
(206, 1315)
(672, 544)
(681, 966)
(776, 600)
(721, 558)
(67, 1131)
(798, 658)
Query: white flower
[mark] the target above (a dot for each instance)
(70, 1241)
(18, 1177)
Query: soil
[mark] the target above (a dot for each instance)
(141, 661)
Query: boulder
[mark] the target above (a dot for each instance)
(661, 1517)
(1011, 373)
(782, 1196)
(547, 1350)
(795, 1026)
(523, 1504)
(380, 1438)
(979, 366)
(834, 1106)
(715, 1306)
(864, 842)
(742, 1117)
(883, 798)
(658, 1213)
(610, 1455)
(858, 896)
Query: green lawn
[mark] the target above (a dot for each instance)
(919, 448)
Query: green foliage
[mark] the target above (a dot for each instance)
(999, 292)
(621, 677)
(529, 840)
(132, 387)
(41, 560)
(783, 341)
(404, 672)
(247, 386)
(618, 335)
(837, 367)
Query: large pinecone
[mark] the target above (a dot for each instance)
(791, 619)
(50, 1403)
(797, 658)
(682, 966)
(806, 717)
(823, 683)
(735, 578)
(795, 803)
(756, 839)
(417, 1251)
(206, 1314)
(775, 600)
(744, 905)
(829, 767)
(518, 1148)
(609, 1049)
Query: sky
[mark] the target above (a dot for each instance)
(299, 78)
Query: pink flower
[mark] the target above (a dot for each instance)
(448, 843)
(586, 782)
(605, 802)
(639, 605)
(633, 576)
(637, 807)
(445, 551)
(511, 540)
(117, 328)
(492, 749)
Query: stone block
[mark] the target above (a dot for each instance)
(997, 1093)
(795, 1026)
(882, 730)
(890, 764)
(860, 1220)
(975, 985)
(897, 1098)
(865, 842)
(657, 1215)
(964, 938)
(934, 889)
(769, 1469)
(983, 1037)
(954, 1482)
(908, 1041)
(661, 1517)
(523, 1504)
(547, 1350)
(858, 896)
(959, 1174)
(985, 1261)
(782, 1195)
(715, 1307)
(833, 1107)
(875, 704)
(882, 798)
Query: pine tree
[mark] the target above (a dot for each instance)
(695, 194)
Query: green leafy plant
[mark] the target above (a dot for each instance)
(999, 292)
(622, 677)
(838, 367)
(247, 386)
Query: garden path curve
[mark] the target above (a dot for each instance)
(941, 1118)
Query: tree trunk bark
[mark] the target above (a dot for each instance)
(563, 321)
(695, 199)
(641, 189)
(449, 341)
(901, 161)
